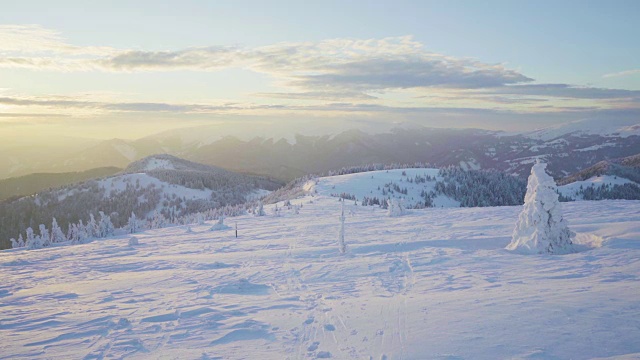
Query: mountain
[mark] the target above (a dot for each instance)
(566, 149)
(160, 184)
(33, 183)
(436, 283)
(609, 179)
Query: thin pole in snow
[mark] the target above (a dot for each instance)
(236, 229)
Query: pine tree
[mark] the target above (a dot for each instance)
(540, 227)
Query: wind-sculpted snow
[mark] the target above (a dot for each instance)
(431, 284)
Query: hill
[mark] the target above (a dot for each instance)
(33, 183)
(160, 184)
(435, 283)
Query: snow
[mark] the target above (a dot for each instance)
(433, 284)
(571, 190)
(119, 183)
(604, 127)
(158, 164)
(367, 183)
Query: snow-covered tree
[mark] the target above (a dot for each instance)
(83, 232)
(45, 238)
(158, 220)
(395, 207)
(92, 227)
(17, 243)
(540, 227)
(132, 225)
(105, 226)
(220, 224)
(33, 241)
(200, 219)
(260, 210)
(342, 245)
(56, 232)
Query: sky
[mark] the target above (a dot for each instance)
(130, 69)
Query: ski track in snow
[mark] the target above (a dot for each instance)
(433, 284)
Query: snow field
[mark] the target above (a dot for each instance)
(432, 284)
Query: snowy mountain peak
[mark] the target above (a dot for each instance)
(603, 127)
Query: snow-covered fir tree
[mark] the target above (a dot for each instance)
(92, 227)
(45, 238)
(260, 210)
(395, 207)
(132, 225)
(57, 235)
(540, 227)
(219, 225)
(33, 241)
(105, 227)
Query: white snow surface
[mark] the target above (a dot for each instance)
(432, 284)
(119, 183)
(604, 127)
(367, 183)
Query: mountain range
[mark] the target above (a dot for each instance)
(567, 149)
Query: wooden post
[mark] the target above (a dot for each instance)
(236, 229)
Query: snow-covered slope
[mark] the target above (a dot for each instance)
(375, 184)
(601, 127)
(162, 183)
(572, 190)
(433, 284)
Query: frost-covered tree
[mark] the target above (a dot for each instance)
(158, 220)
(200, 219)
(220, 224)
(33, 241)
(17, 243)
(540, 227)
(105, 226)
(132, 225)
(342, 245)
(57, 235)
(395, 207)
(83, 233)
(260, 210)
(92, 227)
(45, 238)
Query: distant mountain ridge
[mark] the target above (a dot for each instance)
(627, 167)
(33, 183)
(567, 149)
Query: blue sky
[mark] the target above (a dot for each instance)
(91, 63)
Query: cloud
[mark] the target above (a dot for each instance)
(565, 91)
(622, 73)
(319, 95)
(30, 39)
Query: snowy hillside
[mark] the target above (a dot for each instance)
(164, 184)
(379, 184)
(575, 189)
(433, 284)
